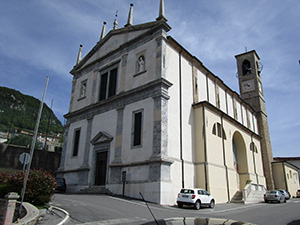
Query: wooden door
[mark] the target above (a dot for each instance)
(101, 164)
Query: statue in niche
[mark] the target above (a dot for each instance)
(83, 89)
(141, 64)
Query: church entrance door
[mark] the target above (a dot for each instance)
(101, 165)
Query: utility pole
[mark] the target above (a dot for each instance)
(33, 144)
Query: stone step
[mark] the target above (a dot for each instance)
(237, 198)
(95, 190)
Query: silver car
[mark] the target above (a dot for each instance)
(274, 196)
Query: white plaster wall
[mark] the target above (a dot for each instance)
(244, 115)
(130, 154)
(239, 111)
(230, 105)
(74, 162)
(211, 92)
(222, 95)
(172, 75)
(202, 87)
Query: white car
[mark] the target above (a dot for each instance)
(195, 196)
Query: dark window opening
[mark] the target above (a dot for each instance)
(137, 132)
(246, 67)
(112, 82)
(108, 84)
(103, 86)
(76, 142)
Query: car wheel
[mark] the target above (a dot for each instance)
(197, 204)
(180, 205)
(266, 201)
(212, 204)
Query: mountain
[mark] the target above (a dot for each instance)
(19, 112)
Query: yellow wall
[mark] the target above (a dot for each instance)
(250, 162)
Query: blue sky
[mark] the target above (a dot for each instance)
(40, 38)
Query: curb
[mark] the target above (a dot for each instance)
(63, 211)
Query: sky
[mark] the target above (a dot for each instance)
(40, 38)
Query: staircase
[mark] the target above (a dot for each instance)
(95, 190)
(238, 197)
(252, 193)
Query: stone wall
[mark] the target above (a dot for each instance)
(9, 158)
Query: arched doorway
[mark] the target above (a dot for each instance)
(240, 159)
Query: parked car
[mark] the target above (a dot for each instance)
(196, 197)
(274, 195)
(61, 185)
(285, 193)
(298, 193)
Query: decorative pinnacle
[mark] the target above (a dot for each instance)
(116, 22)
(161, 15)
(103, 31)
(130, 16)
(79, 55)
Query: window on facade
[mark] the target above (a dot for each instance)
(217, 130)
(137, 128)
(246, 67)
(83, 89)
(76, 142)
(108, 84)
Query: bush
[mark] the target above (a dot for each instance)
(39, 189)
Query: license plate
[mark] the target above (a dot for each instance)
(185, 196)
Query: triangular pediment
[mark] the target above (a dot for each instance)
(116, 39)
(102, 137)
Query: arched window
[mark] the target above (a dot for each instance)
(246, 67)
(217, 130)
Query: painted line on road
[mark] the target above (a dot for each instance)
(235, 209)
(115, 221)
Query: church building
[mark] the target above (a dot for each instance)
(147, 116)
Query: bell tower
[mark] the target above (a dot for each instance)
(251, 91)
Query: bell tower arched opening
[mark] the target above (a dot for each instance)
(240, 160)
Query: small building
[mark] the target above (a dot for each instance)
(146, 113)
(286, 176)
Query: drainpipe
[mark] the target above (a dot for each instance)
(180, 122)
(224, 159)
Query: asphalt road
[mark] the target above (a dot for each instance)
(103, 209)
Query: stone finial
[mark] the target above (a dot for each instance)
(79, 55)
(115, 24)
(130, 16)
(103, 31)
(161, 15)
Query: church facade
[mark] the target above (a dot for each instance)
(147, 116)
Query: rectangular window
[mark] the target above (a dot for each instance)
(76, 142)
(137, 128)
(108, 84)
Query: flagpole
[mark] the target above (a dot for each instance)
(33, 144)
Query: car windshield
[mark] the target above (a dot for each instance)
(187, 191)
(272, 192)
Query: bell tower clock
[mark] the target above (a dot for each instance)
(249, 75)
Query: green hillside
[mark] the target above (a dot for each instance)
(19, 112)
